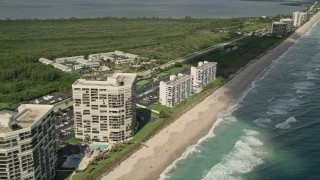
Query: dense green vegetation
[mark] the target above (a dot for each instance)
(22, 42)
(24, 79)
(247, 49)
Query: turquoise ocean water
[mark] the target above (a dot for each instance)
(272, 131)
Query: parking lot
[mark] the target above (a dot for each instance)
(64, 126)
(50, 98)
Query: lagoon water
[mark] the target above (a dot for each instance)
(43, 9)
(272, 131)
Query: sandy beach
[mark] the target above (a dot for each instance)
(169, 144)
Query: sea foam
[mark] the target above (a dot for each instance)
(262, 122)
(287, 123)
(247, 153)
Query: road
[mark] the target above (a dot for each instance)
(190, 56)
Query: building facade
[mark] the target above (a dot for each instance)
(204, 73)
(289, 23)
(27, 143)
(104, 107)
(278, 28)
(176, 90)
(299, 18)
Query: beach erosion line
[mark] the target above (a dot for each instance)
(171, 143)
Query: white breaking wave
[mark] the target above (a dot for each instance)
(303, 87)
(287, 123)
(282, 106)
(279, 108)
(262, 122)
(247, 153)
(311, 76)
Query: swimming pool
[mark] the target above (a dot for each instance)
(74, 162)
(100, 146)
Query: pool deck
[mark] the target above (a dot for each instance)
(89, 157)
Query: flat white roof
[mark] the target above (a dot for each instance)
(178, 80)
(27, 115)
(44, 60)
(206, 65)
(115, 80)
(60, 66)
(280, 23)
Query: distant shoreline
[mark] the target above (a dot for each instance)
(46, 9)
(169, 144)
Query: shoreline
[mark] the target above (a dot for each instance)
(170, 143)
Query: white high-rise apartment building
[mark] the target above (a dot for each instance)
(204, 73)
(288, 21)
(27, 143)
(278, 28)
(299, 18)
(104, 107)
(176, 90)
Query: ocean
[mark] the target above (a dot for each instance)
(44, 9)
(271, 132)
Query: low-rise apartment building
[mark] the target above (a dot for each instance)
(62, 67)
(204, 73)
(45, 61)
(118, 57)
(27, 143)
(104, 107)
(176, 90)
(278, 28)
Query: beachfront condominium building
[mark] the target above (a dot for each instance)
(278, 28)
(299, 18)
(104, 107)
(27, 143)
(204, 73)
(176, 90)
(289, 23)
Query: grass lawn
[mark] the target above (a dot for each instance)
(4, 105)
(74, 140)
(173, 71)
(159, 107)
(162, 75)
(143, 82)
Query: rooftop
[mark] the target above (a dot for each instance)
(286, 19)
(69, 58)
(116, 79)
(178, 80)
(279, 23)
(61, 66)
(205, 65)
(44, 60)
(26, 116)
